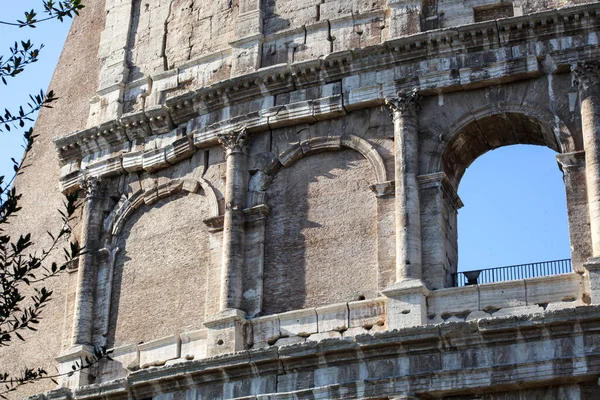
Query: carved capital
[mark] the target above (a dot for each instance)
(91, 186)
(586, 74)
(234, 141)
(405, 103)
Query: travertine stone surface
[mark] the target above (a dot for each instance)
(266, 226)
(312, 258)
(152, 266)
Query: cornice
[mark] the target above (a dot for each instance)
(487, 335)
(404, 57)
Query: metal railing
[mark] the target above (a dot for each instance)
(512, 272)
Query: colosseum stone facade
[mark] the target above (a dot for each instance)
(270, 199)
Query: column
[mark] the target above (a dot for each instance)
(86, 276)
(587, 76)
(408, 213)
(407, 298)
(226, 329)
(83, 313)
(234, 144)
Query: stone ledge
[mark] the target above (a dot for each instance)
(413, 354)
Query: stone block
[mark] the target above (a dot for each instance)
(317, 337)
(515, 311)
(333, 318)
(66, 361)
(193, 344)
(366, 314)
(154, 160)
(407, 304)
(133, 161)
(477, 315)
(554, 288)
(454, 300)
(225, 333)
(265, 331)
(494, 296)
(298, 323)
(124, 360)
(158, 352)
(288, 341)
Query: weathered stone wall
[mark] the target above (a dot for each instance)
(74, 82)
(167, 33)
(263, 166)
(160, 276)
(321, 241)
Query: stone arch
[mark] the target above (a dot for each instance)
(158, 232)
(127, 205)
(467, 138)
(496, 126)
(335, 143)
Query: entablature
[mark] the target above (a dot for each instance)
(432, 62)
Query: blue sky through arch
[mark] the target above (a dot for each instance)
(515, 209)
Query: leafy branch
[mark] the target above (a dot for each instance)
(52, 10)
(32, 375)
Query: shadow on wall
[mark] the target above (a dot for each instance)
(320, 245)
(159, 281)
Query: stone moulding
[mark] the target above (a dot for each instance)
(407, 61)
(423, 359)
(127, 205)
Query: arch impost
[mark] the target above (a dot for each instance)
(574, 159)
(383, 189)
(440, 179)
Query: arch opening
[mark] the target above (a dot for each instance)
(519, 216)
(491, 132)
(519, 168)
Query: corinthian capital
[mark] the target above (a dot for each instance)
(587, 74)
(91, 186)
(234, 141)
(405, 102)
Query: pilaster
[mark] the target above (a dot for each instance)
(408, 216)
(404, 18)
(254, 251)
(83, 315)
(574, 175)
(108, 103)
(438, 225)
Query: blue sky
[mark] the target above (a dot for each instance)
(515, 209)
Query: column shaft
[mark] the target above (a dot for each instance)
(408, 215)
(233, 225)
(84, 299)
(588, 78)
